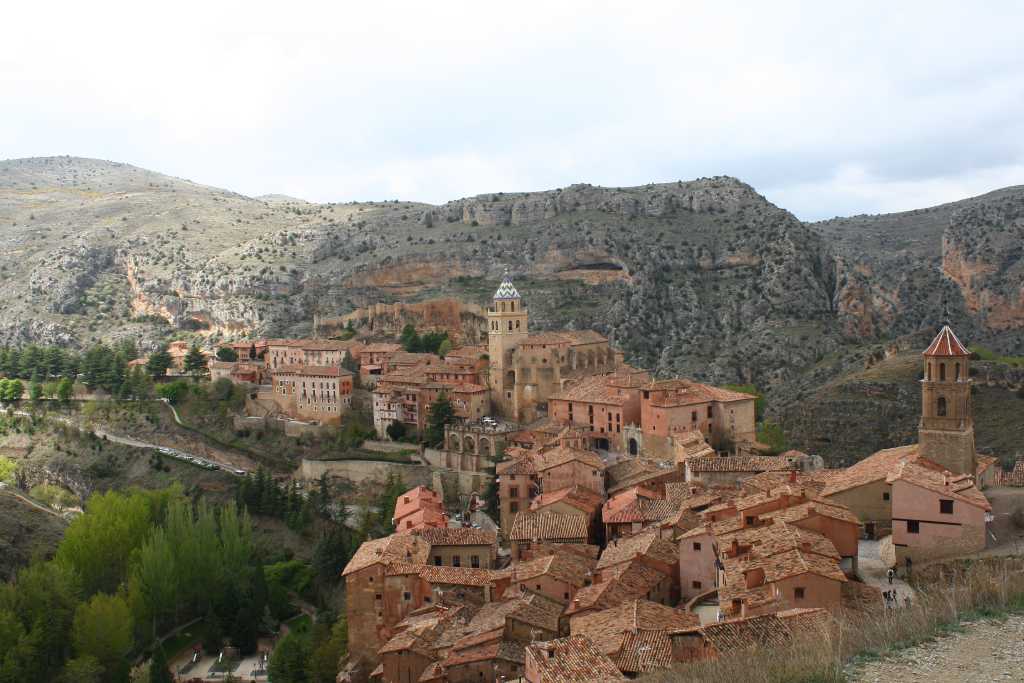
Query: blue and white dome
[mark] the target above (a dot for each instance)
(506, 290)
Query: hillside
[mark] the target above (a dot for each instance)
(704, 278)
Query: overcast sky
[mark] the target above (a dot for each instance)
(870, 108)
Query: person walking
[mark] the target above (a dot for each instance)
(890, 574)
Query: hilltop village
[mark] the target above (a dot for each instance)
(640, 524)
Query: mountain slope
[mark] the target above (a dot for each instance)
(704, 278)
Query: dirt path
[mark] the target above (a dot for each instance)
(984, 651)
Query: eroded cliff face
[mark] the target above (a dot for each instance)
(466, 323)
(983, 254)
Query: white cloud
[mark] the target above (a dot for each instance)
(337, 101)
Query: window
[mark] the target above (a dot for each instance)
(696, 585)
(693, 416)
(538, 586)
(710, 412)
(377, 596)
(437, 560)
(456, 561)
(696, 547)
(565, 596)
(885, 496)
(750, 521)
(913, 526)
(940, 407)
(942, 372)
(513, 507)
(946, 507)
(513, 492)
(371, 579)
(474, 562)
(407, 595)
(798, 593)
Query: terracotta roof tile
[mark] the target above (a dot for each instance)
(642, 651)
(959, 487)
(640, 510)
(550, 526)
(393, 548)
(646, 544)
(579, 497)
(572, 660)
(738, 463)
(630, 580)
(457, 576)
(567, 567)
(1014, 477)
(681, 392)
(606, 627)
(459, 536)
(875, 467)
(563, 454)
(946, 344)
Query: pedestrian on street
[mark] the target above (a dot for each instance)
(890, 574)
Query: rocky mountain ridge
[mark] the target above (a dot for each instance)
(703, 278)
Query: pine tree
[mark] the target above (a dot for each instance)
(195, 361)
(159, 362)
(441, 414)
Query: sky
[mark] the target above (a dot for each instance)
(825, 108)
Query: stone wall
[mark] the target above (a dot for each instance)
(360, 471)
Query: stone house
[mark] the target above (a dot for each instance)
(602, 404)
(418, 508)
(517, 486)
(312, 393)
(935, 513)
(372, 360)
(311, 352)
(725, 418)
(646, 548)
(372, 608)
(566, 466)
(461, 547)
(530, 528)
(556, 577)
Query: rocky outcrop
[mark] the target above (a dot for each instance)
(464, 322)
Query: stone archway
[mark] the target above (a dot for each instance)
(468, 445)
(634, 447)
(454, 442)
(484, 447)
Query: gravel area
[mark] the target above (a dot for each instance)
(983, 651)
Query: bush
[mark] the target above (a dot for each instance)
(174, 391)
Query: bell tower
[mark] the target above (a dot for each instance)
(946, 431)
(507, 326)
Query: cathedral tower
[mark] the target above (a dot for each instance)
(946, 432)
(507, 320)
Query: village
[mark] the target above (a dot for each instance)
(640, 524)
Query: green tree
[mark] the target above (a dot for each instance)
(396, 430)
(153, 586)
(349, 363)
(327, 649)
(227, 354)
(102, 629)
(173, 391)
(158, 363)
(195, 361)
(159, 672)
(444, 347)
(96, 366)
(84, 670)
(98, 544)
(35, 389)
(772, 435)
(288, 661)
(65, 390)
(393, 488)
(441, 414)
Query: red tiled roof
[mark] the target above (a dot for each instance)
(606, 627)
(642, 651)
(640, 510)
(681, 392)
(312, 371)
(529, 526)
(579, 497)
(459, 536)
(571, 568)
(647, 544)
(572, 660)
(946, 344)
(563, 454)
(960, 487)
(738, 463)
(630, 580)
(393, 548)
(875, 467)
(457, 576)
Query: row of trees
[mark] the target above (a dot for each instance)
(429, 342)
(132, 566)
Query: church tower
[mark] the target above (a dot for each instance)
(946, 432)
(507, 320)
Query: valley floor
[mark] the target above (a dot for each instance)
(985, 650)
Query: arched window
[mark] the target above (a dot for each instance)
(957, 372)
(502, 306)
(929, 372)
(513, 305)
(940, 408)
(942, 372)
